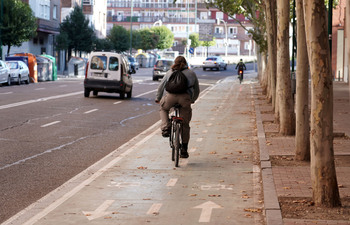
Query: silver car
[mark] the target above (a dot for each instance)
(18, 71)
(4, 73)
(214, 62)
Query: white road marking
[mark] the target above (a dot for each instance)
(90, 111)
(63, 85)
(100, 211)
(212, 118)
(86, 182)
(39, 100)
(207, 209)
(6, 93)
(209, 124)
(146, 93)
(205, 131)
(172, 182)
(38, 89)
(155, 208)
(50, 124)
(118, 102)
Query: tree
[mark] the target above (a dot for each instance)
(166, 37)
(18, 24)
(149, 39)
(194, 37)
(120, 38)
(302, 129)
(75, 31)
(284, 90)
(323, 174)
(207, 43)
(103, 44)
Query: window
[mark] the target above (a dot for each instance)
(246, 45)
(220, 15)
(44, 10)
(86, 2)
(54, 12)
(113, 64)
(232, 30)
(99, 62)
(219, 30)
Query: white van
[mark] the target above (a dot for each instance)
(108, 72)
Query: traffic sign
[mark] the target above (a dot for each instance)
(191, 50)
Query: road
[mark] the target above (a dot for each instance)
(49, 132)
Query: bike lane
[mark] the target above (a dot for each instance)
(218, 184)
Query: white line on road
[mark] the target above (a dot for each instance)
(146, 93)
(6, 93)
(49, 124)
(172, 182)
(116, 103)
(193, 149)
(38, 89)
(154, 210)
(183, 162)
(199, 139)
(205, 131)
(39, 100)
(90, 111)
(100, 211)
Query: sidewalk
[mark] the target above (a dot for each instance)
(137, 183)
(286, 182)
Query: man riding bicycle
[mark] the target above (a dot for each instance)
(241, 67)
(184, 99)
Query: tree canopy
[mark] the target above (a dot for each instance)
(75, 33)
(18, 24)
(166, 37)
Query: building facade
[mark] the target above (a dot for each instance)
(48, 17)
(183, 18)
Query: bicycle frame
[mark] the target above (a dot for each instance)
(175, 138)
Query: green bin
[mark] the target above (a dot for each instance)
(54, 67)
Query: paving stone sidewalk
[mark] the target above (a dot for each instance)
(293, 180)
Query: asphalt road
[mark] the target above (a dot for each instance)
(49, 132)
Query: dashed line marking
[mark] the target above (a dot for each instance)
(6, 93)
(50, 124)
(212, 118)
(155, 208)
(209, 124)
(116, 103)
(172, 182)
(199, 139)
(90, 111)
(205, 131)
(38, 89)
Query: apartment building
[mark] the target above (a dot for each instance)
(183, 18)
(48, 17)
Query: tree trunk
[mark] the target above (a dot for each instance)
(323, 174)
(302, 133)
(272, 48)
(284, 82)
(348, 38)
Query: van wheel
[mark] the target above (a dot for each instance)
(86, 92)
(128, 95)
(8, 81)
(19, 80)
(122, 95)
(27, 81)
(95, 93)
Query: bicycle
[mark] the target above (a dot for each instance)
(175, 138)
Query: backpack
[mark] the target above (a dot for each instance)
(177, 83)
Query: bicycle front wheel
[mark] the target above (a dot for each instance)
(177, 144)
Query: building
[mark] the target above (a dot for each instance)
(183, 18)
(48, 17)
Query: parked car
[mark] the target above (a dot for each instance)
(5, 76)
(161, 67)
(108, 72)
(19, 71)
(214, 62)
(134, 65)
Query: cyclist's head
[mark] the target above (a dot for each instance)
(241, 60)
(179, 63)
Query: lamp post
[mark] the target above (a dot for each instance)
(225, 42)
(159, 22)
(131, 15)
(2, 12)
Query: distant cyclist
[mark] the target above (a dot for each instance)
(241, 67)
(184, 99)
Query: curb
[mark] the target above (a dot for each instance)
(271, 204)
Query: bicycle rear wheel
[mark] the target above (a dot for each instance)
(171, 140)
(177, 144)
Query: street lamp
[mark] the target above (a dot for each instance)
(225, 42)
(159, 22)
(131, 15)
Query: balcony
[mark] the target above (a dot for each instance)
(153, 5)
(146, 19)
